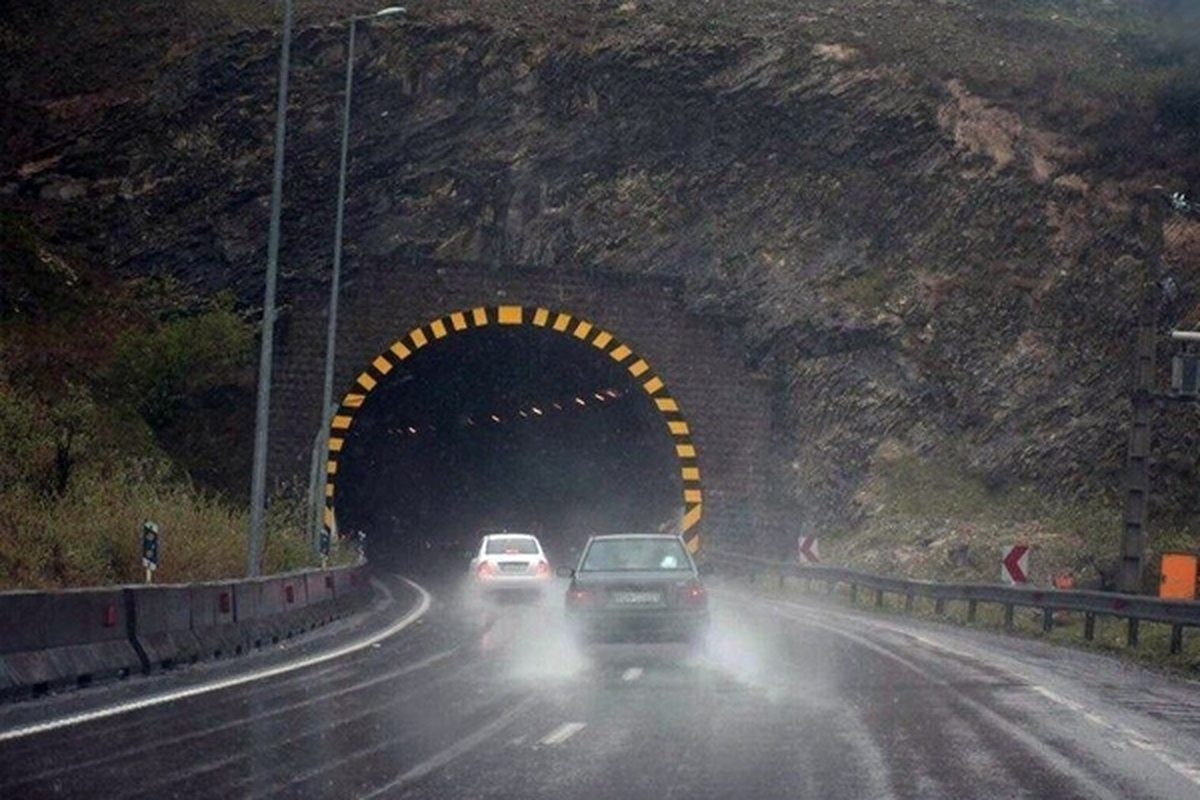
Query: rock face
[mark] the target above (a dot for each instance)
(913, 216)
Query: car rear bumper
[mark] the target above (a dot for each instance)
(524, 584)
(644, 625)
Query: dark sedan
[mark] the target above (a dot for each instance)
(636, 587)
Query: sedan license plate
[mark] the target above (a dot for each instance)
(636, 598)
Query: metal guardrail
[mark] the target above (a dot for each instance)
(1132, 608)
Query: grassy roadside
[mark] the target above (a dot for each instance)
(114, 406)
(92, 535)
(935, 520)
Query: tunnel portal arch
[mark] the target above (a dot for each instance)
(603, 343)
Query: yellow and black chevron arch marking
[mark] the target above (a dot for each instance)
(639, 370)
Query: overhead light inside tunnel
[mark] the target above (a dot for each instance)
(502, 417)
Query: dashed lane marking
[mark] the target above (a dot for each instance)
(632, 674)
(461, 747)
(562, 733)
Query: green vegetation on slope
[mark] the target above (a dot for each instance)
(936, 520)
(96, 381)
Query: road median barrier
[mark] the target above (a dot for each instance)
(163, 626)
(54, 640)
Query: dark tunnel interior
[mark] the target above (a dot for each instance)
(504, 428)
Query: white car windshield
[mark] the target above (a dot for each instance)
(511, 545)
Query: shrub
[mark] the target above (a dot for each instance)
(91, 536)
(157, 371)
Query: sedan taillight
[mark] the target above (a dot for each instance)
(542, 570)
(581, 597)
(694, 594)
(486, 570)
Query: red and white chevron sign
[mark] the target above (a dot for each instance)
(1014, 567)
(808, 550)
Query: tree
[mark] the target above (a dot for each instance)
(157, 371)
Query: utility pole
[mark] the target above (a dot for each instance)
(258, 488)
(1149, 217)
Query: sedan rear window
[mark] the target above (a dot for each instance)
(635, 554)
(511, 545)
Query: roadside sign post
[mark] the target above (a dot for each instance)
(323, 546)
(1014, 565)
(807, 550)
(150, 540)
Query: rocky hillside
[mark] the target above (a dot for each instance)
(913, 215)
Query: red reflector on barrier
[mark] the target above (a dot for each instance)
(289, 594)
(110, 616)
(223, 603)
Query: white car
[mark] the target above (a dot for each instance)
(511, 565)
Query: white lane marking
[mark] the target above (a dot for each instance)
(941, 647)
(1055, 697)
(215, 686)
(632, 674)
(562, 733)
(1128, 736)
(457, 749)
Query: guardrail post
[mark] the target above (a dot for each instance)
(939, 606)
(1176, 639)
(1132, 638)
(1089, 626)
(853, 593)
(1008, 616)
(908, 602)
(1047, 619)
(879, 598)
(972, 607)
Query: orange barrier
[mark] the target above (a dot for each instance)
(1065, 581)
(1180, 576)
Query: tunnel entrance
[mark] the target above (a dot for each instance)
(520, 420)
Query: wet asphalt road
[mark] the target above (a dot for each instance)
(468, 700)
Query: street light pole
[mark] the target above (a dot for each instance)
(327, 406)
(258, 488)
(1131, 569)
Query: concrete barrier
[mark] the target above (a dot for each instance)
(249, 618)
(52, 640)
(350, 586)
(319, 587)
(214, 620)
(67, 638)
(162, 626)
(24, 621)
